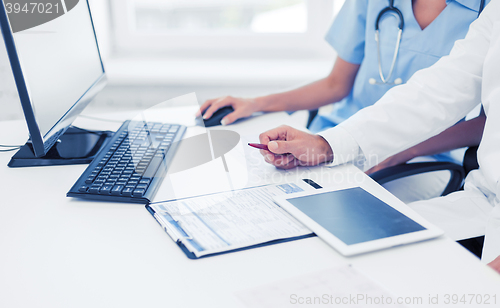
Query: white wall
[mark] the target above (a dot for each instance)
(9, 99)
(142, 82)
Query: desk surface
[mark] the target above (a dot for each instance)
(61, 252)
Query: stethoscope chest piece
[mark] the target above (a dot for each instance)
(396, 82)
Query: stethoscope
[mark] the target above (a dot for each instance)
(391, 9)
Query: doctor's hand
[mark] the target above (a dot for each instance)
(289, 147)
(495, 264)
(243, 107)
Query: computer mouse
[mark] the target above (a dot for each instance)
(216, 117)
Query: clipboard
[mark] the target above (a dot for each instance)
(192, 256)
(197, 242)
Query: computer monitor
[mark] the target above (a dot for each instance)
(57, 67)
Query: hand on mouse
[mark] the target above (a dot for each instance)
(289, 147)
(243, 107)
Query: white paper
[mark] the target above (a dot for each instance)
(338, 287)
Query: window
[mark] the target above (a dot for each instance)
(220, 17)
(223, 28)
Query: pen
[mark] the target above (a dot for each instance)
(259, 146)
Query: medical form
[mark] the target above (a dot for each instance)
(230, 220)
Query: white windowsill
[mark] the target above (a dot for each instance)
(142, 71)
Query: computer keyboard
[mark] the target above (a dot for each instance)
(132, 165)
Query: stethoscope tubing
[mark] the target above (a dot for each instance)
(394, 11)
(391, 9)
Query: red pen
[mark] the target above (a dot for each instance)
(259, 146)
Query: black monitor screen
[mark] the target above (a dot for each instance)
(354, 215)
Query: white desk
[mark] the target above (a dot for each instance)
(61, 252)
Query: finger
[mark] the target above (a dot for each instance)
(283, 160)
(231, 117)
(216, 106)
(292, 164)
(269, 158)
(371, 170)
(283, 147)
(278, 133)
(204, 106)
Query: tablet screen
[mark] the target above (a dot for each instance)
(354, 215)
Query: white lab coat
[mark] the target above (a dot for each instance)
(433, 100)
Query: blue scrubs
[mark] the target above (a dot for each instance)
(352, 35)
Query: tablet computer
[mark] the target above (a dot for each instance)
(353, 220)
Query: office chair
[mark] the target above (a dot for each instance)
(458, 172)
(312, 114)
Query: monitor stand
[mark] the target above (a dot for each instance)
(75, 146)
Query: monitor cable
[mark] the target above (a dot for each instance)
(9, 148)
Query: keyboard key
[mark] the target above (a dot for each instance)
(138, 193)
(123, 179)
(153, 166)
(127, 191)
(94, 189)
(117, 189)
(105, 189)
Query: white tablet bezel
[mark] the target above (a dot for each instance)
(430, 231)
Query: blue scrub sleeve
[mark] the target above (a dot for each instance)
(347, 33)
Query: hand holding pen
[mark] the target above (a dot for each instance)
(288, 147)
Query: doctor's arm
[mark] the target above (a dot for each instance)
(330, 89)
(464, 134)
